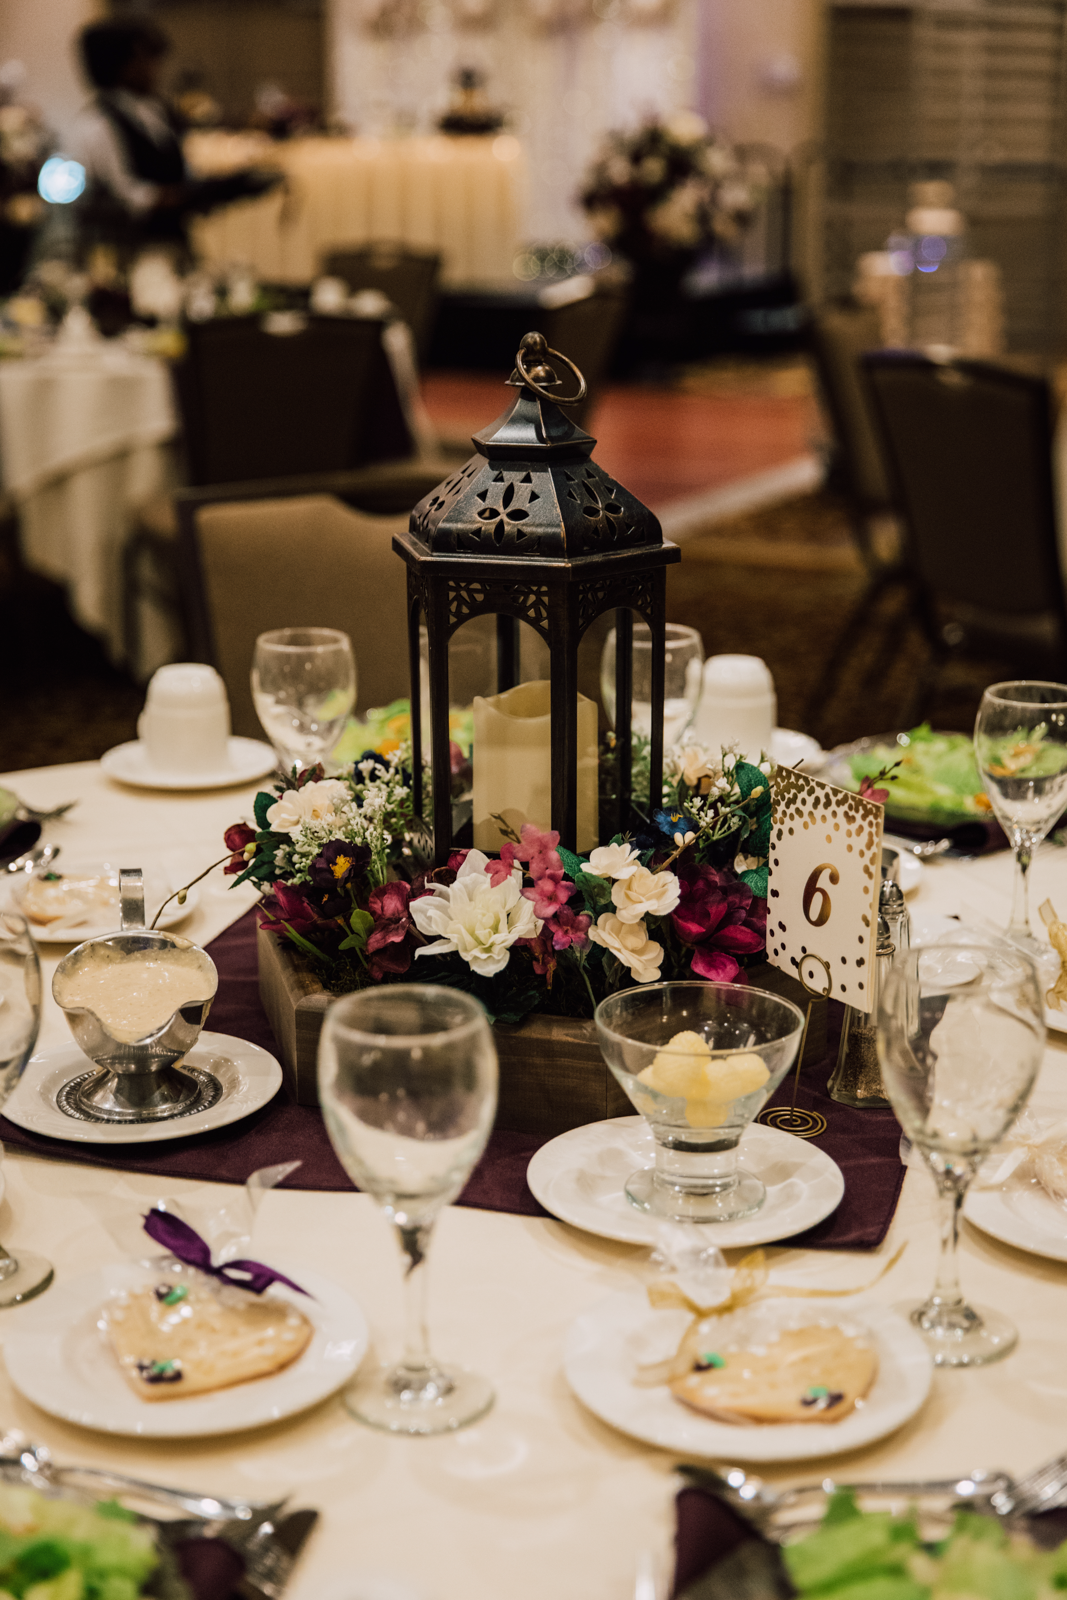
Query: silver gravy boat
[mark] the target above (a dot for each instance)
(143, 1081)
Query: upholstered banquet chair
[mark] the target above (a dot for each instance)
(273, 397)
(291, 554)
(968, 447)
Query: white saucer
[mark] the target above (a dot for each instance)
(792, 749)
(249, 1077)
(579, 1177)
(606, 1345)
(1020, 1212)
(249, 759)
(57, 1358)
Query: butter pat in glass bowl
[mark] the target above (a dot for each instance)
(698, 1060)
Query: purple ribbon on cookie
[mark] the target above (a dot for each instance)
(185, 1243)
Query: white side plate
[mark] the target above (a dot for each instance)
(606, 1345)
(579, 1177)
(57, 1357)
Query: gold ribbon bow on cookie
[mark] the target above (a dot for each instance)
(749, 1283)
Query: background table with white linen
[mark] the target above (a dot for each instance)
(83, 444)
(539, 1498)
(464, 197)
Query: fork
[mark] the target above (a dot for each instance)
(1042, 1490)
(36, 1460)
(26, 813)
(764, 1506)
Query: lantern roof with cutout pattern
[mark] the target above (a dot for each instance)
(532, 490)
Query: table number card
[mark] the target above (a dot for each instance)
(825, 877)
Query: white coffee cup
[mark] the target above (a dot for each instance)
(185, 723)
(738, 706)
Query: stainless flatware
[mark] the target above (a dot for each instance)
(768, 1508)
(36, 1461)
(32, 860)
(925, 848)
(1042, 1490)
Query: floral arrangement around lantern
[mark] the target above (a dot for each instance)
(346, 870)
(668, 188)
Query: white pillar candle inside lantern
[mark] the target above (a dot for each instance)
(513, 764)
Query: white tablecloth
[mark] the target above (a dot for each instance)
(539, 1499)
(463, 197)
(82, 436)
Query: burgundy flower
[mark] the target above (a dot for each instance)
(389, 908)
(718, 914)
(569, 927)
(338, 865)
(287, 905)
(544, 956)
(391, 961)
(235, 839)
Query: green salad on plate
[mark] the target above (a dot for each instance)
(873, 1555)
(935, 779)
(56, 1548)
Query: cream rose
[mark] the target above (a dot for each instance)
(613, 861)
(630, 944)
(471, 916)
(315, 802)
(645, 894)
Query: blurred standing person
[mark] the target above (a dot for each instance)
(138, 190)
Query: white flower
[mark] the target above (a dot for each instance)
(474, 918)
(692, 763)
(686, 127)
(743, 863)
(645, 894)
(315, 802)
(613, 861)
(630, 944)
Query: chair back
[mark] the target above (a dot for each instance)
(840, 335)
(287, 395)
(586, 328)
(408, 278)
(969, 449)
(278, 560)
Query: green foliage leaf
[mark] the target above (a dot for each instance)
(757, 880)
(262, 805)
(303, 944)
(361, 923)
(572, 864)
(596, 892)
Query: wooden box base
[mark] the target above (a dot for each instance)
(552, 1075)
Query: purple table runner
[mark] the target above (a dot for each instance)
(863, 1143)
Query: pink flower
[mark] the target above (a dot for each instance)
(549, 895)
(869, 792)
(569, 927)
(500, 870)
(716, 966)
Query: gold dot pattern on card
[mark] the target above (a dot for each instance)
(801, 806)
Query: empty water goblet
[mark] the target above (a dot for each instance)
(1020, 743)
(407, 1081)
(303, 687)
(683, 662)
(961, 1034)
(698, 1060)
(23, 1276)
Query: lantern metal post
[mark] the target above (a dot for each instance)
(531, 530)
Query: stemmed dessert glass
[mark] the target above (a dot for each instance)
(961, 1034)
(682, 683)
(407, 1082)
(1020, 743)
(20, 1020)
(303, 687)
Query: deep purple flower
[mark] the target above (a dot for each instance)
(338, 865)
(569, 927)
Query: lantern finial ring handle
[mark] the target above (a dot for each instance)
(535, 345)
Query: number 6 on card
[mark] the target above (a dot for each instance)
(825, 875)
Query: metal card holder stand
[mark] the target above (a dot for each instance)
(793, 1118)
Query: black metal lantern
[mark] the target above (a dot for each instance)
(531, 530)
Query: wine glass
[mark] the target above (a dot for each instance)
(20, 1018)
(961, 1034)
(683, 664)
(698, 1060)
(303, 686)
(1020, 744)
(407, 1082)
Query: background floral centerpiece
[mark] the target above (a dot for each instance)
(346, 870)
(663, 191)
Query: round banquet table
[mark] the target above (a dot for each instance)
(464, 197)
(540, 1498)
